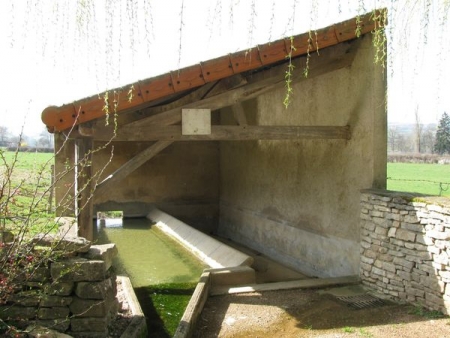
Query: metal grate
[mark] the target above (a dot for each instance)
(361, 301)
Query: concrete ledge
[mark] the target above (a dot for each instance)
(239, 275)
(209, 250)
(297, 284)
(138, 327)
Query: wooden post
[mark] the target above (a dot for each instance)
(52, 187)
(84, 189)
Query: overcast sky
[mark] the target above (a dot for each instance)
(54, 52)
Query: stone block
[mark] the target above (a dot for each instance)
(59, 288)
(88, 324)
(67, 244)
(378, 271)
(95, 290)
(392, 232)
(413, 227)
(441, 258)
(55, 301)
(405, 235)
(433, 249)
(85, 308)
(370, 254)
(53, 312)
(386, 257)
(444, 274)
(369, 226)
(375, 213)
(404, 275)
(48, 329)
(420, 247)
(104, 252)
(397, 242)
(388, 266)
(441, 244)
(411, 219)
(381, 231)
(365, 244)
(78, 270)
(367, 260)
(438, 234)
(424, 240)
(40, 274)
(404, 263)
(396, 253)
(434, 207)
(26, 298)
(410, 245)
(366, 267)
(428, 268)
(17, 312)
(417, 272)
(433, 284)
(393, 216)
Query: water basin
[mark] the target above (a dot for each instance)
(163, 273)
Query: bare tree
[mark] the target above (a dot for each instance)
(428, 139)
(418, 129)
(393, 136)
(3, 135)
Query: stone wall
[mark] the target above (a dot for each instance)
(75, 294)
(405, 247)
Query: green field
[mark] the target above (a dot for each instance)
(429, 179)
(25, 179)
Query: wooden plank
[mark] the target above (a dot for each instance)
(156, 87)
(217, 69)
(187, 78)
(131, 166)
(245, 60)
(273, 52)
(236, 133)
(84, 189)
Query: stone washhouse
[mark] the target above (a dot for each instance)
(214, 146)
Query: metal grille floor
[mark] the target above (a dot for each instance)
(361, 301)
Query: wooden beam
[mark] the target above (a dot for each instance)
(330, 59)
(239, 114)
(131, 166)
(84, 189)
(237, 133)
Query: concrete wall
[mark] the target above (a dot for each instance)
(182, 180)
(298, 201)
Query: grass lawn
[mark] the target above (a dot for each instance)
(421, 178)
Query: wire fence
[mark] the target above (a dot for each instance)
(443, 186)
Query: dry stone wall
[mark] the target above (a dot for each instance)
(405, 247)
(75, 295)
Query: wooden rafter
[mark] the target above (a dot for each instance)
(131, 166)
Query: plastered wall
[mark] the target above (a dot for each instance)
(298, 201)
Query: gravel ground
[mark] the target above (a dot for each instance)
(311, 313)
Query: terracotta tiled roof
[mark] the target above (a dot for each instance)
(149, 90)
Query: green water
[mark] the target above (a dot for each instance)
(163, 273)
